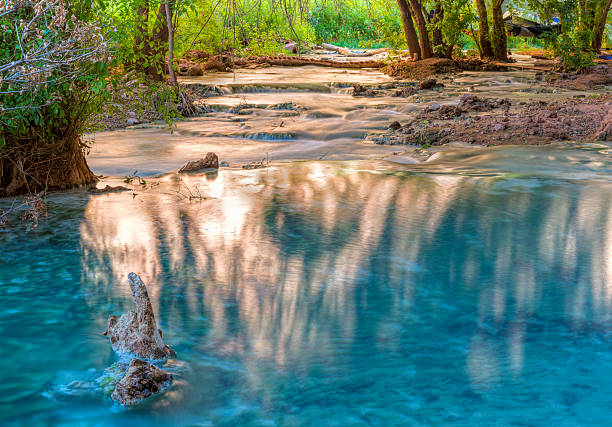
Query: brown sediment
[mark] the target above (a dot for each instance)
(426, 68)
(590, 78)
(535, 123)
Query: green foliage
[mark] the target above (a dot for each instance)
(571, 50)
(355, 23)
(454, 24)
(250, 27)
(53, 92)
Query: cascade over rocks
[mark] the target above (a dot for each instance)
(142, 380)
(189, 66)
(137, 332)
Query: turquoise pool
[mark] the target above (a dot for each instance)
(475, 290)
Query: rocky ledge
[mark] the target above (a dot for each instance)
(211, 161)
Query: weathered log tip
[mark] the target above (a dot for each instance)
(137, 332)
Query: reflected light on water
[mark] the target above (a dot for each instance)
(297, 266)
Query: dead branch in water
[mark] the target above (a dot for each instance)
(189, 194)
(35, 208)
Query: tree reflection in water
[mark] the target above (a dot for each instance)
(372, 278)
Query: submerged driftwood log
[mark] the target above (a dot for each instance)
(137, 332)
(142, 380)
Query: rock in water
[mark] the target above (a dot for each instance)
(142, 380)
(136, 332)
(430, 84)
(395, 126)
(211, 161)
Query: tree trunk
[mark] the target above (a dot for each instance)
(437, 38)
(600, 26)
(159, 45)
(142, 48)
(425, 43)
(31, 166)
(173, 80)
(486, 50)
(411, 36)
(499, 39)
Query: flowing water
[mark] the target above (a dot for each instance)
(471, 289)
(300, 113)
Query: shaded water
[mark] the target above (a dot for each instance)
(462, 292)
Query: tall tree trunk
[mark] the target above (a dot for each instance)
(426, 50)
(158, 45)
(600, 26)
(499, 39)
(411, 36)
(436, 36)
(486, 50)
(142, 48)
(173, 80)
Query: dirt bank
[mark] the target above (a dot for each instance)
(482, 121)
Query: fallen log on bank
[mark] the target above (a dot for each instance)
(289, 61)
(347, 52)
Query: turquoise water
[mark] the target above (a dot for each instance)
(476, 290)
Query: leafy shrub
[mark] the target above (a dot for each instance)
(568, 47)
(52, 69)
(355, 23)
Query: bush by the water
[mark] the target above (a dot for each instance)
(53, 58)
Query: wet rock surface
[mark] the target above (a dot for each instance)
(141, 380)
(604, 133)
(360, 90)
(211, 161)
(429, 84)
(467, 103)
(136, 332)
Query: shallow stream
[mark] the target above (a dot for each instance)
(471, 289)
(296, 113)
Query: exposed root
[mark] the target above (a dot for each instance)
(30, 210)
(32, 164)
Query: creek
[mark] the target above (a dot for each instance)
(474, 288)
